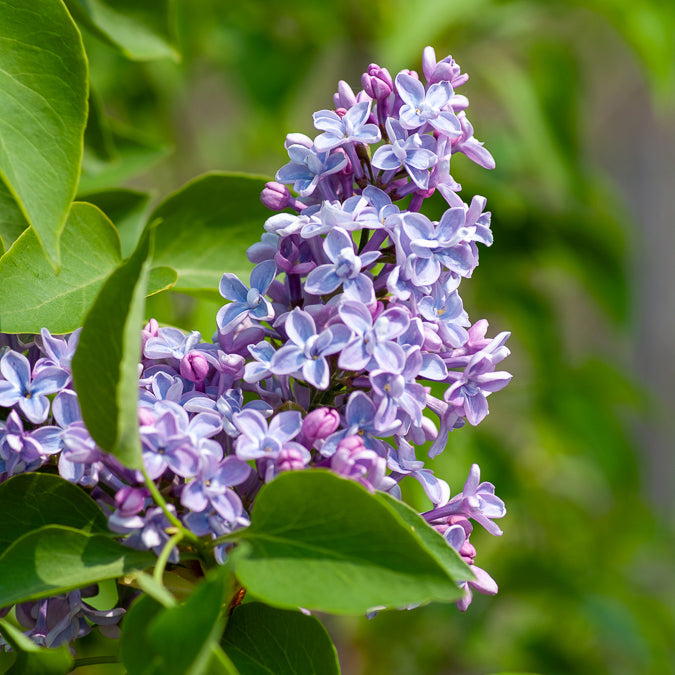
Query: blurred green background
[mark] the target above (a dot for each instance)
(575, 101)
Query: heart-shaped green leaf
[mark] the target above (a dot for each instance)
(43, 111)
(30, 501)
(206, 228)
(33, 296)
(57, 559)
(325, 543)
(260, 640)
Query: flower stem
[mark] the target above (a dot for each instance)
(158, 574)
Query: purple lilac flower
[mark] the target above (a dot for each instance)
(396, 393)
(170, 343)
(344, 270)
(318, 425)
(354, 461)
(352, 127)
(414, 153)
(477, 501)
(307, 167)
(22, 451)
(445, 69)
(60, 619)
(444, 307)
(371, 344)
(173, 441)
(471, 387)
(246, 302)
(212, 487)
(30, 393)
(402, 462)
(306, 353)
(424, 249)
(146, 533)
(360, 420)
(59, 351)
(258, 439)
(426, 107)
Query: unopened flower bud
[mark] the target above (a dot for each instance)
(151, 329)
(276, 196)
(129, 501)
(145, 417)
(377, 82)
(320, 424)
(345, 96)
(194, 366)
(290, 459)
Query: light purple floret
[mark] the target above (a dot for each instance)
(344, 270)
(246, 302)
(29, 392)
(305, 355)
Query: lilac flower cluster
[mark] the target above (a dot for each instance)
(325, 359)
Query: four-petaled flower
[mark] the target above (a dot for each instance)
(246, 302)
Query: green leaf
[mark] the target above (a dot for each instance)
(142, 31)
(57, 559)
(262, 640)
(30, 501)
(33, 296)
(43, 111)
(161, 279)
(445, 555)
(134, 652)
(106, 360)
(12, 220)
(206, 228)
(126, 209)
(179, 639)
(34, 660)
(325, 543)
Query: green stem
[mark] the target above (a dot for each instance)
(158, 574)
(161, 502)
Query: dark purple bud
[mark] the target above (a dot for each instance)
(194, 366)
(377, 82)
(294, 256)
(276, 196)
(320, 424)
(130, 501)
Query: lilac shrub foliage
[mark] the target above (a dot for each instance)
(324, 358)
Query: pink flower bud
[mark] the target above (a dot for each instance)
(377, 82)
(276, 196)
(194, 366)
(320, 424)
(129, 501)
(351, 444)
(145, 417)
(151, 329)
(290, 459)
